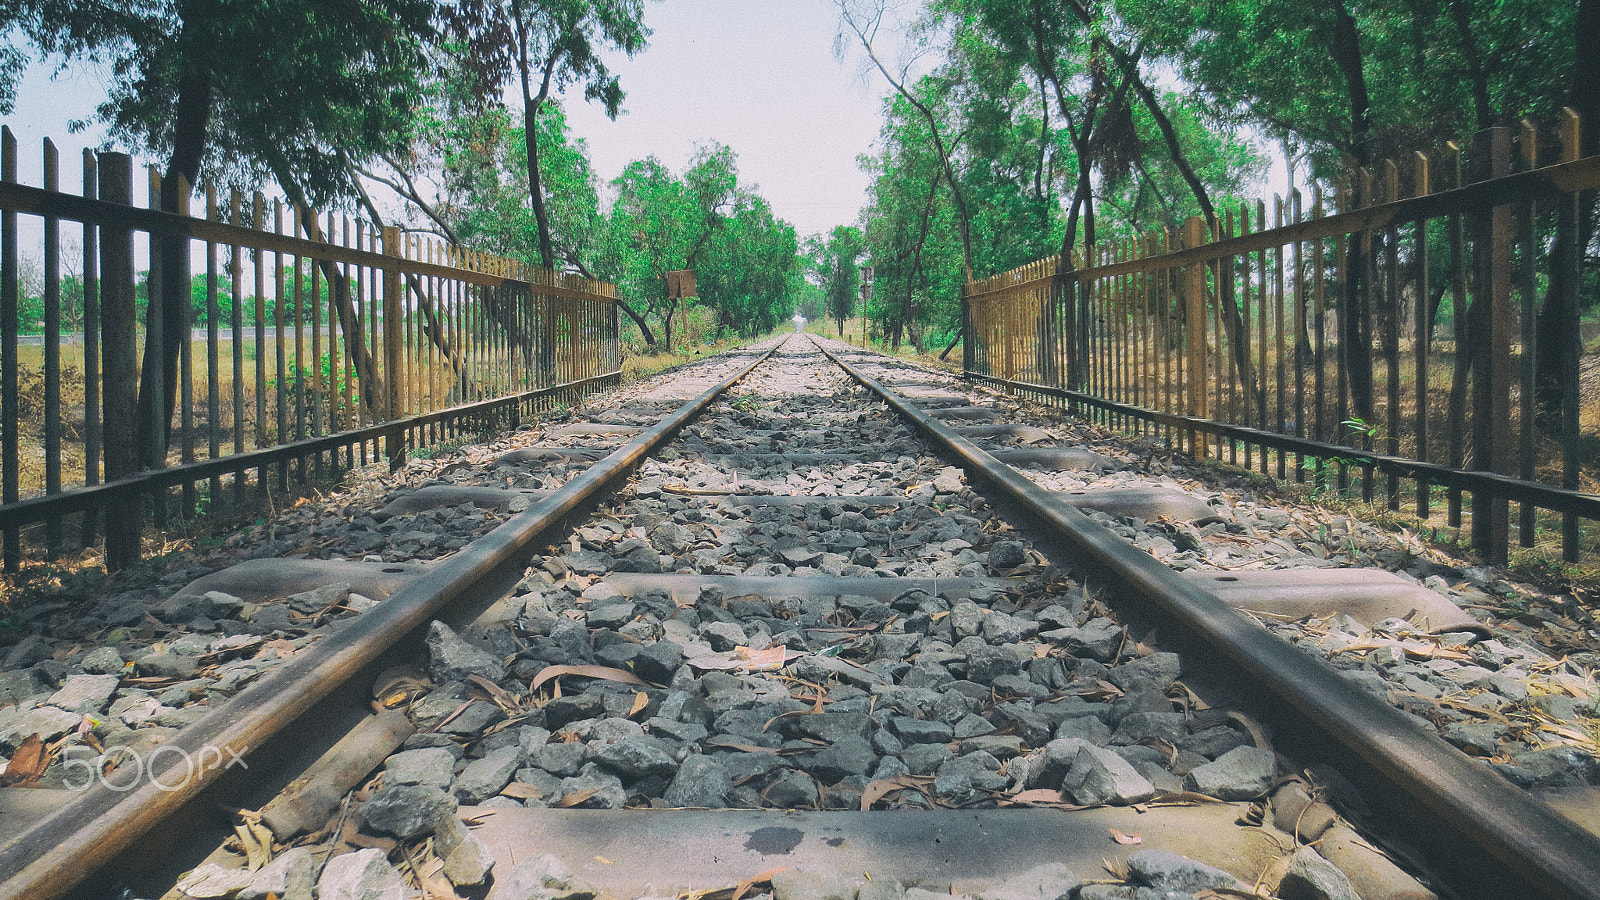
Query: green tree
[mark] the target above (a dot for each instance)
(236, 91)
(838, 267)
(545, 45)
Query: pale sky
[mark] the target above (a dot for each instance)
(757, 75)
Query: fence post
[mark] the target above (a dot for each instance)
(1194, 299)
(1569, 256)
(1491, 377)
(9, 322)
(967, 354)
(91, 346)
(118, 361)
(393, 348)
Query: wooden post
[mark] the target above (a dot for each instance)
(1572, 343)
(1194, 298)
(9, 418)
(119, 362)
(91, 346)
(1527, 214)
(1492, 441)
(1424, 326)
(393, 348)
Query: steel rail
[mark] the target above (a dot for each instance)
(1555, 856)
(59, 851)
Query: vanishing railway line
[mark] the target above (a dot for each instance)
(778, 588)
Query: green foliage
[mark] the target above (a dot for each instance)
(282, 86)
(837, 265)
(701, 219)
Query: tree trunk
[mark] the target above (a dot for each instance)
(183, 169)
(541, 217)
(373, 393)
(644, 327)
(1482, 108)
(1558, 317)
(1356, 322)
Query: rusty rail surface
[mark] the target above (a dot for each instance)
(1551, 854)
(56, 853)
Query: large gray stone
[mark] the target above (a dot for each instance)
(598, 789)
(362, 875)
(985, 664)
(1242, 773)
(167, 665)
(430, 766)
(850, 755)
(797, 884)
(467, 860)
(658, 661)
(483, 778)
(212, 881)
(318, 599)
(47, 722)
(452, 659)
(407, 810)
(1089, 774)
(1310, 877)
(543, 878)
(103, 661)
(16, 687)
(633, 758)
(1154, 672)
(1171, 872)
(700, 782)
(977, 771)
(1053, 881)
(292, 876)
(85, 694)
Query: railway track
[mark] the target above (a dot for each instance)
(779, 590)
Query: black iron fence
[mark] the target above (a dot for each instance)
(1420, 331)
(151, 361)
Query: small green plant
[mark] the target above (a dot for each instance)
(1361, 427)
(1324, 469)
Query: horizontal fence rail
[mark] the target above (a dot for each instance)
(1420, 331)
(145, 350)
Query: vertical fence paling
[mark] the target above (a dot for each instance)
(10, 418)
(119, 364)
(1300, 324)
(311, 330)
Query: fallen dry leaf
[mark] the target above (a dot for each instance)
(735, 745)
(1037, 795)
(1126, 839)
(519, 790)
(500, 696)
(429, 869)
(640, 701)
(576, 797)
(768, 660)
(28, 763)
(604, 672)
(883, 787)
(745, 886)
(397, 685)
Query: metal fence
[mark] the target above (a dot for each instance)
(305, 343)
(1417, 333)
